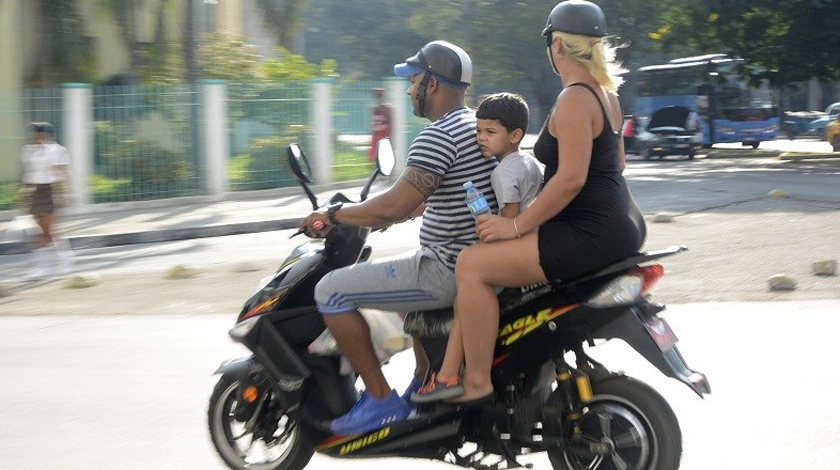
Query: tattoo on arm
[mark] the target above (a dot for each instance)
(424, 181)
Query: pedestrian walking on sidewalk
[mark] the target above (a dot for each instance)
(45, 163)
(380, 122)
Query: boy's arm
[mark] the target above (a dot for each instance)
(510, 210)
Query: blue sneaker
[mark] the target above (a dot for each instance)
(370, 413)
(412, 387)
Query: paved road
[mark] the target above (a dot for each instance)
(130, 392)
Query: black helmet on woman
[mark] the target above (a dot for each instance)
(576, 17)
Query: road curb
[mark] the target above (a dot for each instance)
(157, 236)
(794, 156)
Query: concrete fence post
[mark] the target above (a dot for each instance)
(216, 140)
(77, 123)
(395, 96)
(322, 156)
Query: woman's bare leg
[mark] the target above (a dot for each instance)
(480, 267)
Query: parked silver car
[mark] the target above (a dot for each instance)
(672, 130)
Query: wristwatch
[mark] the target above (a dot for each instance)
(331, 212)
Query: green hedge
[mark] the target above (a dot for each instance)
(140, 169)
(8, 195)
(267, 165)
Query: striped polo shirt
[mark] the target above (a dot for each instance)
(447, 147)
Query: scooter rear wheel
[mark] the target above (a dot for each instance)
(251, 446)
(633, 419)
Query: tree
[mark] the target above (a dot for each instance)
(787, 42)
(64, 52)
(288, 66)
(285, 17)
(147, 62)
(226, 57)
(365, 37)
(508, 51)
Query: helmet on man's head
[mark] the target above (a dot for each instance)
(576, 17)
(447, 62)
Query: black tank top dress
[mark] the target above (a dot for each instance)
(602, 224)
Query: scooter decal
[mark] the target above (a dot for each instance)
(354, 443)
(520, 327)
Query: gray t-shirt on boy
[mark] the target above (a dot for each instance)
(518, 178)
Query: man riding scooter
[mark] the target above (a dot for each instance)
(441, 159)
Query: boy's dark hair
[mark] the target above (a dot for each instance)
(509, 109)
(43, 127)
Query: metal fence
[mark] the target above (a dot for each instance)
(145, 142)
(263, 119)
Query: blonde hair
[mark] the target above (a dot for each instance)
(597, 54)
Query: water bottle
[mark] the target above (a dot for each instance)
(475, 200)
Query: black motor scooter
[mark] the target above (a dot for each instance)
(272, 410)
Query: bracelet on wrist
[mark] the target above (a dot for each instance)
(516, 228)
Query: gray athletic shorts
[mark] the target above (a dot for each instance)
(417, 280)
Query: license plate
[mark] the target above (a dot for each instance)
(680, 146)
(661, 333)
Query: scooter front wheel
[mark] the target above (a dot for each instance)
(637, 424)
(268, 440)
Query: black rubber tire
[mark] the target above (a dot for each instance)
(625, 404)
(219, 414)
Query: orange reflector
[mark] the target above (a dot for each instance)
(250, 394)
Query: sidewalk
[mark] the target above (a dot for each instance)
(103, 225)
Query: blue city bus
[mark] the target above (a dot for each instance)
(712, 86)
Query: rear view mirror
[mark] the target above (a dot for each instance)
(299, 164)
(300, 168)
(385, 159)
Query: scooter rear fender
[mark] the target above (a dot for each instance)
(630, 328)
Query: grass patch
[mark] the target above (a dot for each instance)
(105, 189)
(237, 169)
(8, 195)
(351, 164)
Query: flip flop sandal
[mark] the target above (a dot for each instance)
(437, 390)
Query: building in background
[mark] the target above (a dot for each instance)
(24, 29)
